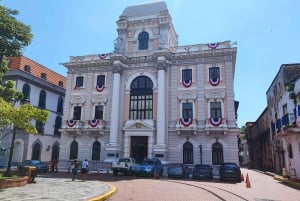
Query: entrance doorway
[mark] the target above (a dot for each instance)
(139, 148)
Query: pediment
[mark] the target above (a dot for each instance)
(139, 124)
(187, 96)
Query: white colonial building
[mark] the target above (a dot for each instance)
(44, 89)
(151, 97)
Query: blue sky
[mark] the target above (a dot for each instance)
(267, 33)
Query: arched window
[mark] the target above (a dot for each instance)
(57, 126)
(55, 152)
(42, 99)
(74, 150)
(141, 98)
(217, 154)
(26, 92)
(96, 151)
(36, 151)
(188, 156)
(60, 103)
(143, 40)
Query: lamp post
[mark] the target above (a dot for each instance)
(200, 147)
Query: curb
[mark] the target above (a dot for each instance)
(107, 195)
(287, 181)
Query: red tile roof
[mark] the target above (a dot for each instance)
(36, 69)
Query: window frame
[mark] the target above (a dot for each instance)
(143, 40)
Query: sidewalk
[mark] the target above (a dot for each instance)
(281, 179)
(60, 188)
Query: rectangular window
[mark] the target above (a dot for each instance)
(215, 110)
(214, 73)
(186, 75)
(99, 112)
(79, 81)
(100, 80)
(187, 111)
(77, 113)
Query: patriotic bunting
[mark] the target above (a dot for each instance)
(93, 122)
(71, 123)
(214, 81)
(212, 45)
(187, 83)
(186, 123)
(102, 56)
(215, 121)
(100, 88)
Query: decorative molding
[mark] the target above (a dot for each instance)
(215, 95)
(99, 99)
(187, 96)
(77, 100)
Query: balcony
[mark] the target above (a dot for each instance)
(216, 126)
(186, 126)
(94, 126)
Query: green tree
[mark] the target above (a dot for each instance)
(14, 36)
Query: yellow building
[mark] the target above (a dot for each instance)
(151, 97)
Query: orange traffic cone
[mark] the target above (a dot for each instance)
(242, 177)
(248, 185)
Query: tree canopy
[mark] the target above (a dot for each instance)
(21, 116)
(14, 36)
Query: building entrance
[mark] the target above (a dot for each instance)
(139, 148)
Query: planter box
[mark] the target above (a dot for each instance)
(9, 183)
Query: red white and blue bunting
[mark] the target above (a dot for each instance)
(100, 88)
(214, 82)
(186, 123)
(212, 45)
(187, 83)
(215, 121)
(93, 122)
(102, 56)
(71, 123)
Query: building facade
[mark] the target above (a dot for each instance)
(260, 143)
(151, 97)
(284, 110)
(44, 89)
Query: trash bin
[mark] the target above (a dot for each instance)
(31, 172)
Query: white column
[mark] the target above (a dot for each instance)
(150, 146)
(127, 143)
(115, 107)
(161, 109)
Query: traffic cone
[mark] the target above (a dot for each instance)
(242, 177)
(248, 185)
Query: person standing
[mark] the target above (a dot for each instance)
(74, 169)
(84, 168)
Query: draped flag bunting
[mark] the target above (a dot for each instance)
(102, 56)
(214, 81)
(186, 123)
(187, 83)
(215, 121)
(71, 123)
(99, 88)
(212, 45)
(93, 122)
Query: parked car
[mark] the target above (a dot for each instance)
(177, 171)
(148, 167)
(202, 172)
(230, 171)
(124, 165)
(40, 167)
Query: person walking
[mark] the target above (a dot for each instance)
(74, 169)
(84, 168)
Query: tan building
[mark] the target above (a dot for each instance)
(151, 97)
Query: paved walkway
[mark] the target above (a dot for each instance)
(59, 189)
